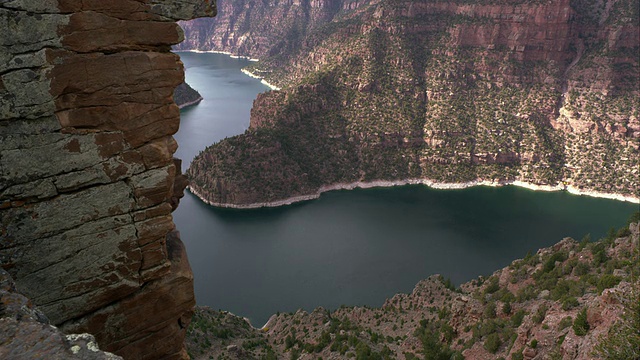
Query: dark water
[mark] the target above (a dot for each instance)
(353, 247)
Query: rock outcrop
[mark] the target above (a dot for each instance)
(25, 332)
(185, 95)
(87, 178)
(510, 91)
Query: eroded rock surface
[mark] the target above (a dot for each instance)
(25, 332)
(87, 177)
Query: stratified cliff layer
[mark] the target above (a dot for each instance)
(569, 301)
(25, 332)
(87, 179)
(542, 93)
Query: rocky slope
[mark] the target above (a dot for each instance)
(569, 301)
(25, 332)
(185, 95)
(87, 179)
(505, 91)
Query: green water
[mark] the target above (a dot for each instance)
(352, 247)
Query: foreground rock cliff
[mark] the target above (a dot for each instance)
(570, 301)
(543, 93)
(87, 179)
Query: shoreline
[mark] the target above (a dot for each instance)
(430, 183)
(194, 102)
(246, 72)
(262, 80)
(218, 52)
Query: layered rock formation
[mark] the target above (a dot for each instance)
(569, 301)
(25, 332)
(498, 92)
(87, 179)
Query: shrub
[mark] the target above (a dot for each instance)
(569, 303)
(565, 322)
(493, 285)
(580, 325)
(492, 343)
(607, 281)
(490, 311)
(551, 261)
(581, 268)
(623, 339)
(516, 319)
(506, 308)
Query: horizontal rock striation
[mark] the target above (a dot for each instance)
(542, 93)
(25, 332)
(87, 178)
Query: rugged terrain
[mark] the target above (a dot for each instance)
(574, 300)
(87, 178)
(542, 93)
(25, 332)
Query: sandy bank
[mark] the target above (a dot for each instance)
(430, 183)
(190, 103)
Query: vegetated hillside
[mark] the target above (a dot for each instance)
(185, 95)
(574, 300)
(542, 92)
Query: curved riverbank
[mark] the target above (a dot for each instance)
(194, 102)
(262, 80)
(246, 72)
(217, 52)
(430, 183)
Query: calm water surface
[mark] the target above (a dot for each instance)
(352, 247)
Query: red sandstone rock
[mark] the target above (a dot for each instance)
(90, 121)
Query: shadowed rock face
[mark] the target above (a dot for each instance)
(26, 333)
(87, 177)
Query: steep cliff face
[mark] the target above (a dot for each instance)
(500, 92)
(87, 179)
(25, 332)
(259, 29)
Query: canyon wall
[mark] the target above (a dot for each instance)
(87, 178)
(541, 93)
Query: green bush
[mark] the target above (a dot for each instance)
(516, 319)
(607, 281)
(580, 325)
(581, 268)
(506, 308)
(493, 285)
(490, 311)
(569, 303)
(551, 261)
(492, 343)
(565, 322)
